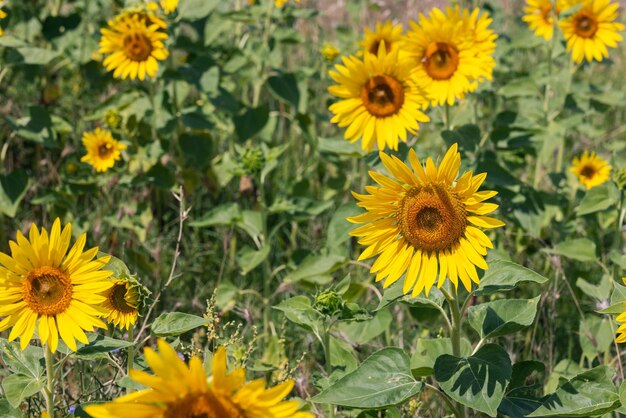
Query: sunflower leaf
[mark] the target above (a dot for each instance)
(501, 317)
(505, 275)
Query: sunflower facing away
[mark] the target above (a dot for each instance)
(424, 223)
(41, 282)
(380, 102)
(134, 41)
(590, 169)
(178, 390)
(451, 52)
(124, 301)
(102, 150)
(591, 30)
(385, 32)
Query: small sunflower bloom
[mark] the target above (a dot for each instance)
(380, 102)
(124, 301)
(330, 52)
(540, 16)
(102, 150)
(169, 6)
(134, 44)
(385, 32)
(183, 391)
(621, 318)
(590, 169)
(592, 29)
(451, 52)
(43, 284)
(281, 3)
(2, 16)
(424, 223)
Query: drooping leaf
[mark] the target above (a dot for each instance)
(505, 275)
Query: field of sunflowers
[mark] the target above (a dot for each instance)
(312, 208)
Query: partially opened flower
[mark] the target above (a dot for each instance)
(590, 169)
(380, 102)
(424, 223)
(102, 150)
(134, 42)
(43, 284)
(385, 32)
(124, 301)
(183, 391)
(592, 29)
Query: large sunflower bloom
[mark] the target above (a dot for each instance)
(135, 44)
(590, 169)
(451, 52)
(183, 391)
(424, 223)
(102, 150)
(592, 29)
(41, 282)
(385, 32)
(380, 101)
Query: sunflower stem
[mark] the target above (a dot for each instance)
(446, 119)
(131, 355)
(328, 364)
(50, 381)
(455, 336)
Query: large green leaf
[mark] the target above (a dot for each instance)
(395, 293)
(7, 411)
(17, 387)
(284, 87)
(595, 335)
(598, 198)
(428, 349)
(299, 310)
(382, 380)
(13, 187)
(175, 323)
(99, 347)
(501, 317)
(196, 9)
(580, 249)
(315, 268)
(226, 214)
(505, 275)
(251, 122)
(590, 393)
(362, 332)
(477, 381)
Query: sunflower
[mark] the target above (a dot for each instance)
(621, 330)
(182, 391)
(590, 169)
(134, 41)
(124, 301)
(169, 6)
(41, 282)
(329, 51)
(102, 150)
(591, 29)
(539, 16)
(380, 102)
(387, 33)
(451, 52)
(425, 221)
(2, 16)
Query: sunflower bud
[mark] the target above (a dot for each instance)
(112, 118)
(620, 178)
(328, 303)
(329, 52)
(252, 160)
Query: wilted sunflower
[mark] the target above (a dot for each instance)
(124, 301)
(590, 169)
(385, 32)
(181, 391)
(134, 41)
(424, 222)
(591, 30)
(40, 282)
(451, 52)
(102, 150)
(380, 101)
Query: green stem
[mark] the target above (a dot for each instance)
(455, 335)
(131, 355)
(50, 381)
(446, 119)
(328, 364)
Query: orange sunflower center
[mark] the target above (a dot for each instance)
(546, 13)
(137, 46)
(374, 47)
(432, 217)
(117, 298)
(105, 150)
(441, 60)
(382, 95)
(47, 290)
(585, 25)
(203, 405)
(588, 171)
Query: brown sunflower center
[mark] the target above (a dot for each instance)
(117, 298)
(376, 44)
(47, 290)
(105, 150)
(432, 217)
(585, 25)
(546, 13)
(137, 46)
(382, 95)
(441, 60)
(588, 171)
(203, 405)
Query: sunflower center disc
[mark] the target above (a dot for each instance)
(118, 299)
(587, 171)
(374, 48)
(203, 405)
(586, 25)
(47, 290)
(432, 217)
(104, 150)
(546, 13)
(441, 60)
(382, 95)
(137, 46)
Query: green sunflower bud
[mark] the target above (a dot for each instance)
(252, 160)
(328, 303)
